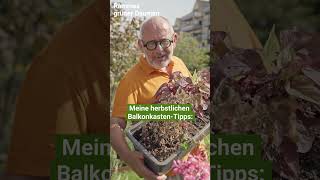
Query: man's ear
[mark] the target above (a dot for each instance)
(175, 39)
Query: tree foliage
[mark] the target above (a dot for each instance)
(285, 14)
(188, 49)
(123, 38)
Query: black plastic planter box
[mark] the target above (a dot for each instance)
(164, 166)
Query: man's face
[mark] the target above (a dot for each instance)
(158, 44)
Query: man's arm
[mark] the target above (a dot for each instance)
(118, 141)
(132, 158)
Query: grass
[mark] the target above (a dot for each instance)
(129, 175)
(117, 164)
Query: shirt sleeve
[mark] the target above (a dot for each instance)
(56, 98)
(32, 137)
(125, 94)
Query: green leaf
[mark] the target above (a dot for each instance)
(270, 52)
(285, 57)
(312, 74)
(194, 77)
(304, 88)
(184, 145)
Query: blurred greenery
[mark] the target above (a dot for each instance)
(262, 14)
(188, 49)
(123, 37)
(25, 28)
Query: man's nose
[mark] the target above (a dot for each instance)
(159, 47)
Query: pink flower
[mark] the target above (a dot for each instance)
(194, 168)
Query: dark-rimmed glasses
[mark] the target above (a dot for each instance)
(152, 45)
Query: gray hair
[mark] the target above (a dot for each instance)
(152, 19)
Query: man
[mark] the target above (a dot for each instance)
(64, 93)
(157, 42)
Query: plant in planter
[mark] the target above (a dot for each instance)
(275, 94)
(166, 138)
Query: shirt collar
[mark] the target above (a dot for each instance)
(149, 69)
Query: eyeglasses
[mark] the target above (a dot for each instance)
(152, 45)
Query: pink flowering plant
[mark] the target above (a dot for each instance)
(196, 167)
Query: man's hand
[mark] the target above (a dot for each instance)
(135, 160)
(132, 158)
